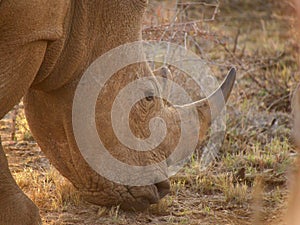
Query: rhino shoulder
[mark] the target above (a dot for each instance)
(31, 20)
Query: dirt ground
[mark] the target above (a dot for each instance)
(248, 181)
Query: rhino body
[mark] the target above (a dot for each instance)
(45, 47)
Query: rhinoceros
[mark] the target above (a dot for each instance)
(45, 47)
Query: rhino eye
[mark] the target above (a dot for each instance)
(149, 95)
(149, 98)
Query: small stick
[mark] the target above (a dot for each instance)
(14, 120)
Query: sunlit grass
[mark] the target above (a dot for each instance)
(49, 190)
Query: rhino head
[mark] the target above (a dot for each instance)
(144, 173)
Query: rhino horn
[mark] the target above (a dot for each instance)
(209, 108)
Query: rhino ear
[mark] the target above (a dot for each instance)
(139, 4)
(165, 73)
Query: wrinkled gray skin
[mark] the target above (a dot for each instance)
(45, 46)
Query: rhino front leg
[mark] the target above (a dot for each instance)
(15, 207)
(19, 65)
(26, 28)
(18, 68)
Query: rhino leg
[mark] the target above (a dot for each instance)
(16, 207)
(18, 68)
(19, 64)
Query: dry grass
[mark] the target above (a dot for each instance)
(48, 190)
(247, 184)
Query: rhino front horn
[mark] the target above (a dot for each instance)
(210, 107)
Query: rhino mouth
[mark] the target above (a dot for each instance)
(163, 188)
(131, 198)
